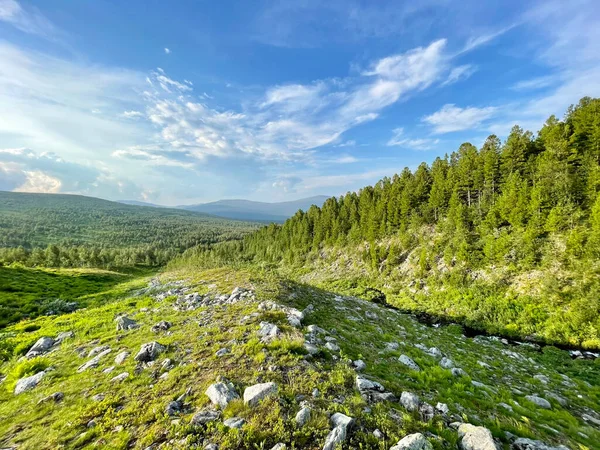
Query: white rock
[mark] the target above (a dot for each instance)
(235, 422)
(28, 383)
(268, 331)
(409, 363)
(311, 348)
(97, 350)
(446, 363)
(121, 357)
(41, 346)
(475, 438)
(332, 347)
(303, 416)
(94, 362)
(125, 323)
(254, 394)
(539, 401)
(341, 426)
(222, 352)
(149, 351)
(359, 365)
(205, 416)
(442, 408)
(279, 446)
(221, 393)
(121, 377)
(410, 401)
(414, 441)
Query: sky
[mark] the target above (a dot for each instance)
(181, 102)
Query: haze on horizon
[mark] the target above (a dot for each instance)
(274, 101)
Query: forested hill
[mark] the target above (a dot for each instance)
(35, 221)
(505, 237)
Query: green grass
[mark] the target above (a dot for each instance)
(28, 292)
(132, 413)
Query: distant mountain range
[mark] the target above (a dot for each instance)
(247, 209)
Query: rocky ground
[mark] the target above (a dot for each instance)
(237, 360)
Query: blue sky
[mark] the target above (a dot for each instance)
(183, 102)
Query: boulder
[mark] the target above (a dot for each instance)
(204, 416)
(530, 444)
(446, 363)
(410, 401)
(364, 385)
(41, 346)
(341, 427)
(539, 401)
(124, 323)
(315, 329)
(415, 441)
(64, 336)
(254, 394)
(28, 383)
(408, 362)
(279, 446)
(311, 349)
(163, 325)
(121, 377)
(332, 347)
(97, 350)
(458, 372)
(56, 397)
(94, 362)
(303, 416)
(121, 357)
(268, 331)
(222, 352)
(220, 394)
(475, 438)
(359, 365)
(149, 351)
(235, 422)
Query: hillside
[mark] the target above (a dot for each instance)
(256, 211)
(243, 359)
(505, 238)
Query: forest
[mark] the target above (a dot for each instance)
(528, 207)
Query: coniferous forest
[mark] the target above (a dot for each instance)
(505, 237)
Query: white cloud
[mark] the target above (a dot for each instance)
(535, 83)
(28, 20)
(132, 114)
(452, 118)
(398, 140)
(167, 51)
(38, 181)
(460, 73)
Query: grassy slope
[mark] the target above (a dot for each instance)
(25, 292)
(36, 220)
(197, 335)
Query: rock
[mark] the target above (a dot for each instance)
(392, 346)
(435, 352)
(561, 400)
(98, 397)
(341, 427)
(414, 441)
(591, 419)
(163, 325)
(442, 408)
(332, 347)
(458, 372)
(121, 357)
(173, 408)
(108, 369)
(542, 378)
(506, 406)
(210, 447)
(426, 411)
(121, 377)
(124, 323)
(359, 365)
(97, 350)
(316, 393)
(478, 384)
(94, 362)
(378, 434)
(311, 348)
(63, 336)
(167, 364)
(303, 416)
(410, 401)
(446, 363)
(221, 352)
(254, 394)
(475, 438)
(315, 329)
(294, 317)
(268, 331)
(149, 351)
(364, 385)
(235, 422)
(279, 446)
(41, 346)
(220, 394)
(409, 363)
(28, 383)
(56, 397)
(205, 416)
(539, 401)
(530, 444)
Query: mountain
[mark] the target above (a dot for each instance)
(138, 203)
(256, 211)
(36, 220)
(244, 359)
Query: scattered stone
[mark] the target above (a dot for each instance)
(530, 444)
(409, 363)
(56, 397)
(279, 446)
(268, 331)
(475, 438)
(97, 350)
(210, 447)
(410, 401)
(163, 325)
(458, 372)
(359, 365)
(315, 329)
(121, 377)
(392, 346)
(341, 427)
(98, 397)
(542, 378)
(591, 419)
(435, 352)
(332, 347)
(316, 393)
(254, 394)
(221, 393)
(41, 346)
(414, 441)
(303, 416)
(205, 416)
(378, 434)
(149, 351)
(311, 348)
(95, 361)
(124, 323)
(222, 352)
(426, 411)
(121, 357)
(561, 400)
(446, 363)
(167, 364)
(506, 406)
(28, 383)
(539, 401)
(235, 422)
(442, 408)
(478, 384)
(108, 369)
(64, 335)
